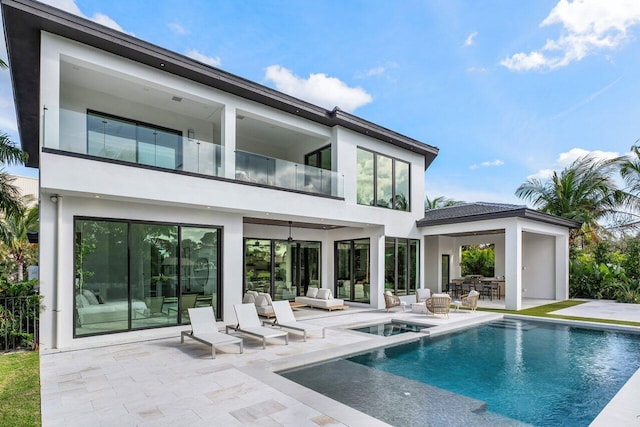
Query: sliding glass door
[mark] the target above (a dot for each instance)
(135, 275)
(281, 268)
(352, 270)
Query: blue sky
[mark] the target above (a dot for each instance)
(506, 89)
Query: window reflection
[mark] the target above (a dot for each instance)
(383, 181)
(401, 265)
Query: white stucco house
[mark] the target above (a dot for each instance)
(166, 183)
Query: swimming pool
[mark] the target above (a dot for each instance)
(533, 372)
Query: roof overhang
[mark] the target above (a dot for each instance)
(25, 19)
(515, 213)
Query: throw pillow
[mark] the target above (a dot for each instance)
(249, 298)
(261, 301)
(324, 294)
(312, 292)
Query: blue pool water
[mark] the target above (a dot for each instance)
(539, 373)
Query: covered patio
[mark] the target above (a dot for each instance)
(531, 250)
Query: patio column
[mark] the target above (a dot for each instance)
(229, 141)
(513, 265)
(562, 267)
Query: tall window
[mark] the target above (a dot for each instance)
(383, 181)
(401, 265)
(131, 141)
(352, 270)
(134, 275)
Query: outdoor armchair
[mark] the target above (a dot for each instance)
(391, 301)
(470, 301)
(439, 304)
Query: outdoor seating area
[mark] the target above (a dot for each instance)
(489, 287)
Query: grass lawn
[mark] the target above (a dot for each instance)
(20, 389)
(545, 311)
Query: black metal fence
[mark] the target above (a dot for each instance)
(19, 322)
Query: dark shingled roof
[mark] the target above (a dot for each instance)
(480, 211)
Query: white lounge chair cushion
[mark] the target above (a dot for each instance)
(261, 301)
(324, 294)
(312, 292)
(473, 292)
(423, 294)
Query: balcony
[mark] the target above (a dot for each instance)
(128, 142)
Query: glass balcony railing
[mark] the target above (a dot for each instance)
(113, 138)
(259, 169)
(109, 137)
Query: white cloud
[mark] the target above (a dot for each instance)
(496, 162)
(71, 7)
(470, 39)
(588, 26)
(481, 70)
(375, 71)
(177, 28)
(568, 157)
(319, 89)
(214, 61)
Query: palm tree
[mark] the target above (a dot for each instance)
(13, 235)
(9, 154)
(585, 191)
(439, 202)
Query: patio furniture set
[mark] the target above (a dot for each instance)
(486, 286)
(433, 304)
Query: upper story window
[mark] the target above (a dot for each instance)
(383, 181)
(131, 141)
(320, 158)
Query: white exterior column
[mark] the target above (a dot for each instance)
(562, 267)
(228, 139)
(513, 265)
(49, 93)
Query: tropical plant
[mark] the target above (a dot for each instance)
(10, 203)
(585, 191)
(13, 236)
(439, 202)
(478, 259)
(631, 262)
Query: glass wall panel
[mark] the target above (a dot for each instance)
(365, 177)
(285, 270)
(401, 264)
(101, 297)
(401, 199)
(361, 270)
(111, 138)
(353, 267)
(257, 265)
(199, 267)
(343, 270)
(309, 260)
(384, 181)
(154, 275)
(159, 148)
(414, 266)
(390, 264)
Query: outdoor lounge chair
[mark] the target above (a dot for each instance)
(203, 329)
(285, 319)
(391, 301)
(248, 323)
(439, 304)
(470, 301)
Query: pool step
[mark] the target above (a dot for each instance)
(512, 324)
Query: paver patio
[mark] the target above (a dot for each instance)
(158, 381)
